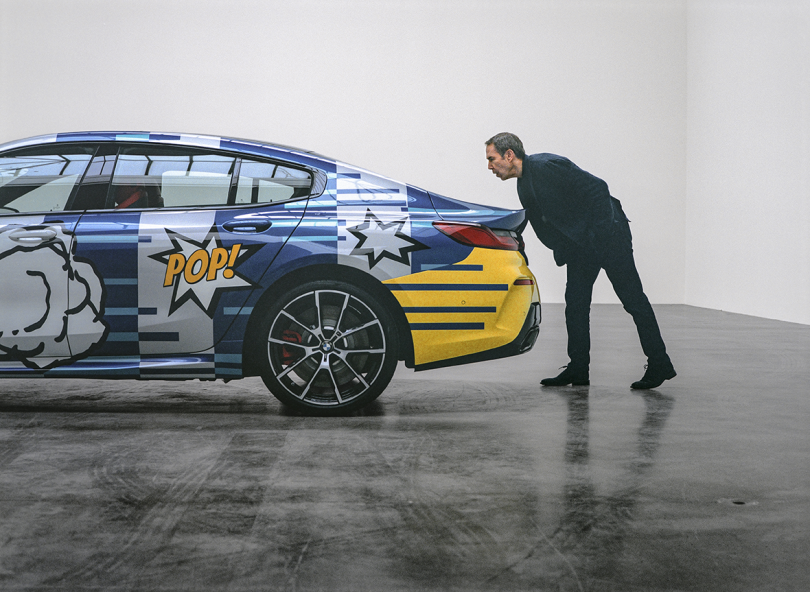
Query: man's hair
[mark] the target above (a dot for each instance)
(506, 141)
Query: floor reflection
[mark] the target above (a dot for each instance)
(594, 526)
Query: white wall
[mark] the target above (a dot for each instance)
(410, 89)
(748, 196)
(694, 111)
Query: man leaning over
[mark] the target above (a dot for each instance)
(573, 214)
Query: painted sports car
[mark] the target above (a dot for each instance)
(172, 256)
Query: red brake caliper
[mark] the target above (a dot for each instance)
(289, 355)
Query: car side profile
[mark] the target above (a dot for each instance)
(184, 256)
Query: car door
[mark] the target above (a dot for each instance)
(47, 292)
(185, 236)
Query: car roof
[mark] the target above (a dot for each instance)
(254, 147)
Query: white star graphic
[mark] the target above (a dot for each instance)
(378, 240)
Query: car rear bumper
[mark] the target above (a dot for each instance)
(521, 344)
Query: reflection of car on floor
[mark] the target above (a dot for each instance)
(167, 256)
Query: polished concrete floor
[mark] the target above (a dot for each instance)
(471, 478)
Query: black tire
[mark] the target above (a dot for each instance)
(328, 347)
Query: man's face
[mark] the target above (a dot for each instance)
(502, 166)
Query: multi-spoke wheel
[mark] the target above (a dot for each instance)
(330, 347)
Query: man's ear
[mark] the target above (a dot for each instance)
(509, 154)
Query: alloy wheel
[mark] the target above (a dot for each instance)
(326, 348)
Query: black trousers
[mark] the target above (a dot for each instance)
(620, 267)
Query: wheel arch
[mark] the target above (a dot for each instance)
(251, 345)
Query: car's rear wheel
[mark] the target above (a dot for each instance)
(329, 347)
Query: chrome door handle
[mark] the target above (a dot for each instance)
(32, 236)
(247, 225)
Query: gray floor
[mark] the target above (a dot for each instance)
(471, 478)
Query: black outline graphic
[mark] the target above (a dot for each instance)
(57, 246)
(245, 252)
(403, 256)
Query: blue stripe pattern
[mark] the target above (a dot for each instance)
(234, 310)
(159, 336)
(117, 312)
(113, 238)
(447, 326)
(449, 309)
(144, 336)
(443, 267)
(449, 287)
(120, 281)
(366, 190)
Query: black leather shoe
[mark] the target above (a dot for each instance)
(567, 377)
(654, 377)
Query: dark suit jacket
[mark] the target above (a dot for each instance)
(570, 210)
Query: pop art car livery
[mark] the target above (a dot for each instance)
(170, 256)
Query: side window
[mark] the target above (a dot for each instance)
(263, 182)
(92, 194)
(41, 179)
(153, 178)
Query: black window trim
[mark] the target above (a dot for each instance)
(317, 188)
(53, 147)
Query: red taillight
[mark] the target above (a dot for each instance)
(524, 282)
(476, 235)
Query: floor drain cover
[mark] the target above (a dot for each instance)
(736, 502)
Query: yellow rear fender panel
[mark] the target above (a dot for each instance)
(466, 308)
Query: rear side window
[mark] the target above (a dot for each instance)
(153, 178)
(42, 179)
(264, 182)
